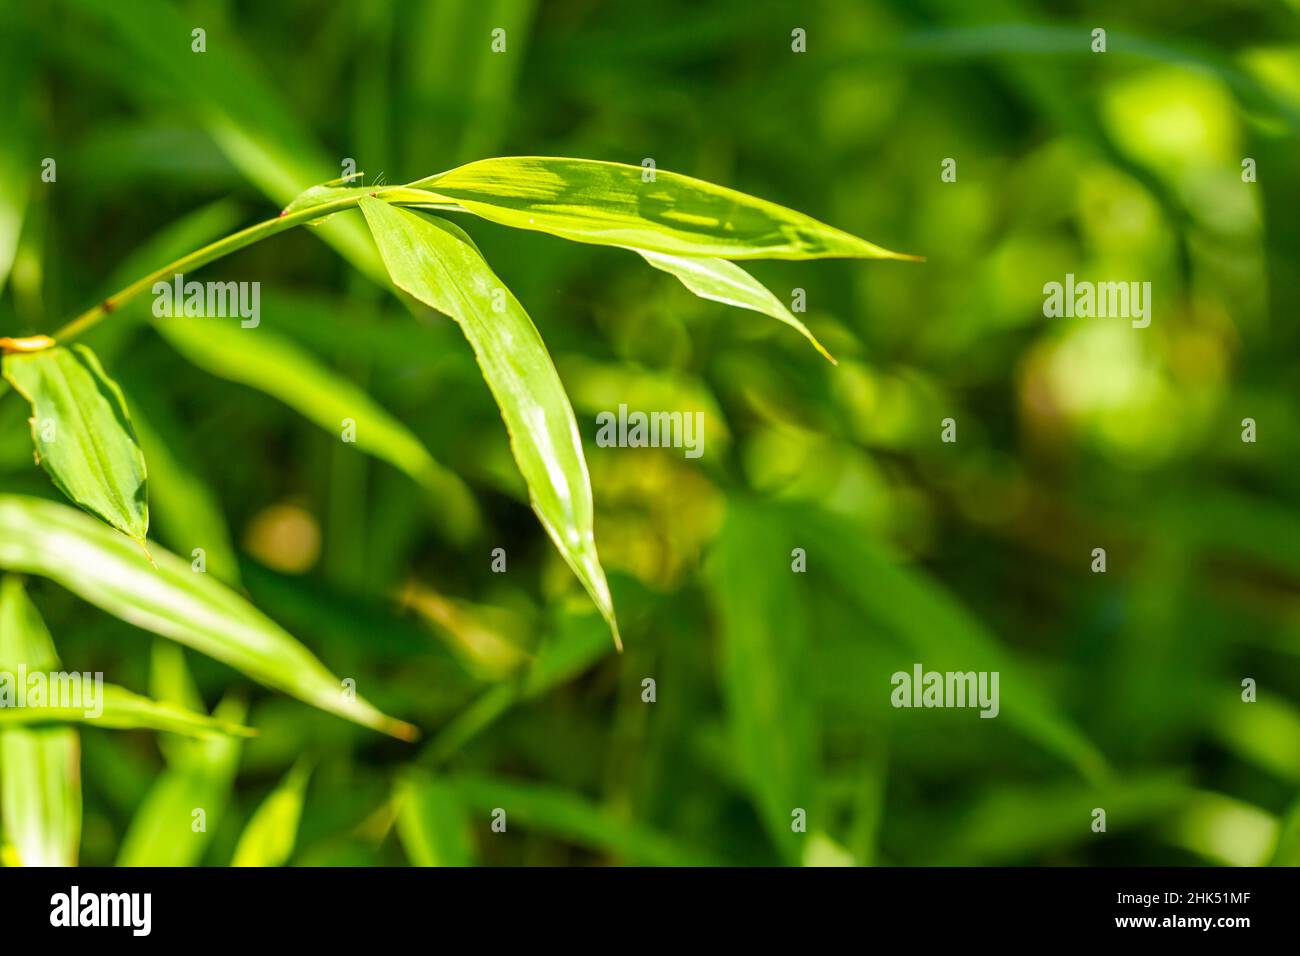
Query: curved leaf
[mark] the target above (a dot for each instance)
(613, 204)
(83, 434)
(54, 541)
(438, 264)
(726, 282)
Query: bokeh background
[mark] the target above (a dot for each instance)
(1120, 691)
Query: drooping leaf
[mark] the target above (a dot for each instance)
(614, 204)
(726, 282)
(435, 262)
(270, 834)
(57, 542)
(40, 769)
(83, 434)
(277, 366)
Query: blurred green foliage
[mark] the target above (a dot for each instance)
(1120, 690)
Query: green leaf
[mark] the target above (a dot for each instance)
(279, 367)
(438, 264)
(57, 542)
(765, 681)
(611, 204)
(269, 837)
(432, 823)
(120, 709)
(165, 830)
(726, 282)
(83, 434)
(40, 770)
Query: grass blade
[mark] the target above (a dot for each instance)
(83, 434)
(170, 599)
(438, 264)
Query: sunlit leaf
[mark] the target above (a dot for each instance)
(270, 834)
(614, 204)
(40, 769)
(57, 542)
(83, 434)
(438, 264)
(726, 282)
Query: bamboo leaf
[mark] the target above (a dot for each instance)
(40, 769)
(120, 709)
(725, 282)
(170, 599)
(613, 204)
(83, 434)
(269, 837)
(438, 264)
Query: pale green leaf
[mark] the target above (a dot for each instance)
(438, 264)
(120, 709)
(169, 598)
(83, 434)
(40, 769)
(726, 282)
(614, 204)
(270, 834)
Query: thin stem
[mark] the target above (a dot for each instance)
(222, 247)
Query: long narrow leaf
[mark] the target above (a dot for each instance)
(438, 264)
(40, 769)
(57, 542)
(614, 204)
